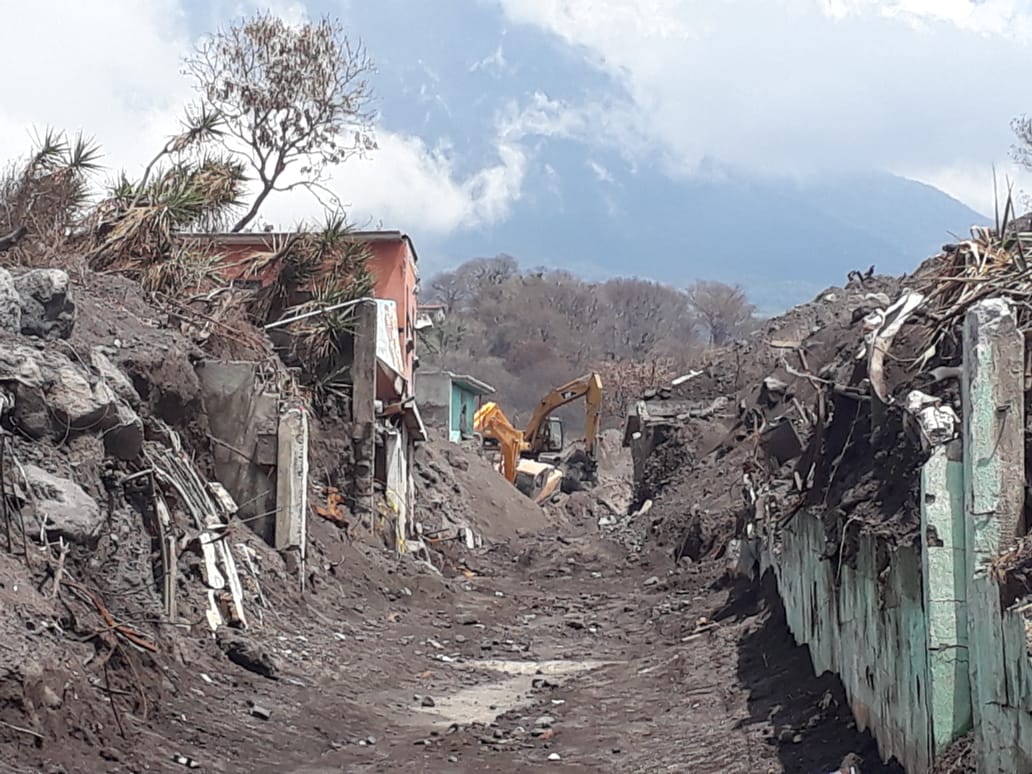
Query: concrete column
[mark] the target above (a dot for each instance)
(292, 481)
(994, 478)
(945, 595)
(994, 428)
(363, 410)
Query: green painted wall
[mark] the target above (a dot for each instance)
(922, 646)
(945, 595)
(869, 628)
(461, 399)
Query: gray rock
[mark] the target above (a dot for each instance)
(114, 377)
(10, 304)
(246, 653)
(76, 403)
(47, 306)
(261, 712)
(124, 438)
(62, 506)
(545, 721)
(653, 581)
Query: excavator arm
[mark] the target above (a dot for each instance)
(590, 388)
(491, 423)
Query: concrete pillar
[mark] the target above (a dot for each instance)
(292, 481)
(994, 477)
(994, 427)
(363, 410)
(945, 594)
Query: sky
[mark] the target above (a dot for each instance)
(470, 92)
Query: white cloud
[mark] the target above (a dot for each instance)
(495, 62)
(409, 186)
(1006, 18)
(801, 87)
(602, 174)
(73, 75)
(130, 97)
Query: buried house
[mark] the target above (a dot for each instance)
(340, 310)
(450, 400)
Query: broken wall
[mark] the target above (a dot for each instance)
(434, 394)
(919, 635)
(866, 624)
(244, 421)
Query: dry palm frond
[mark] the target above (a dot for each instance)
(184, 268)
(45, 195)
(136, 227)
(330, 262)
(991, 264)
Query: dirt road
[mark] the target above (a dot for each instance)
(561, 653)
(552, 648)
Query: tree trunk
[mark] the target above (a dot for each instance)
(251, 213)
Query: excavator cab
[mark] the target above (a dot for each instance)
(554, 440)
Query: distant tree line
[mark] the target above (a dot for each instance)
(526, 331)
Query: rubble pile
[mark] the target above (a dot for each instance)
(832, 407)
(455, 508)
(123, 560)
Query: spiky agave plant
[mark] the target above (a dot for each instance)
(43, 197)
(339, 263)
(137, 225)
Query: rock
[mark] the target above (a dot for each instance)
(125, 435)
(428, 701)
(260, 712)
(653, 581)
(30, 415)
(47, 307)
(63, 506)
(114, 377)
(246, 653)
(50, 697)
(544, 721)
(555, 757)
(77, 405)
(10, 304)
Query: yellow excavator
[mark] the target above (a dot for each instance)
(532, 459)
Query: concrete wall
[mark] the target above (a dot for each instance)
(244, 421)
(868, 627)
(433, 395)
(918, 636)
(393, 266)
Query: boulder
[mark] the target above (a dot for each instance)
(114, 377)
(47, 305)
(124, 433)
(10, 304)
(78, 405)
(62, 506)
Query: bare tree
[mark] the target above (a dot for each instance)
(1021, 152)
(288, 97)
(723, 309)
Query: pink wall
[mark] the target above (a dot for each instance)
(393, 266)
